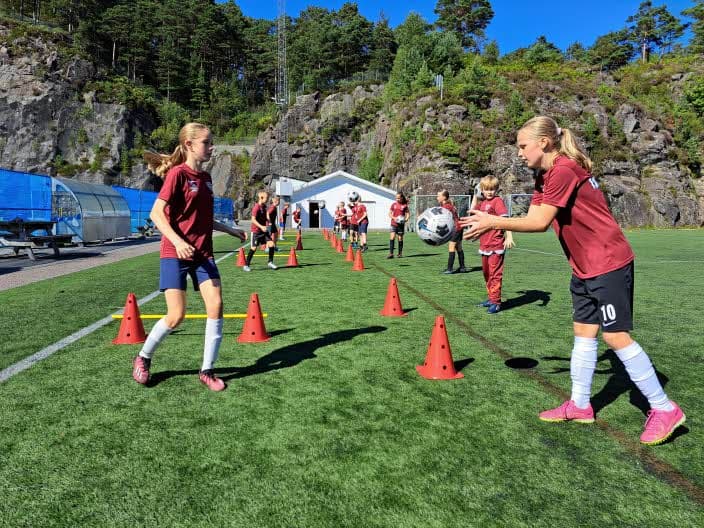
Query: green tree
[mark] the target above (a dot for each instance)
(407, 63)
(446, 52)
(383, 46)
(542, 51)
(696, 13)
(611, 51)
(576, 52)
(491, 53)
(466, 18)
(354, 39)
(653, 27)
(414, 33)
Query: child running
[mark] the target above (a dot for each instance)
(567, 197)
(399, 215)
(272, 214)
(354, 225)
(493, 244)
(362, 223)
(183, 212)
(455, 244)
(344, 220)
(337, 220)
(260, 235)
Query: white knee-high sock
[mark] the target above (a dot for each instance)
(642, 374)
(213, 338)
(582, 366)
(156, 336)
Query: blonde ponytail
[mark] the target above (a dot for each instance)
(561, 138)
(160, 164)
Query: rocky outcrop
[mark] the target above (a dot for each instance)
(50, 124)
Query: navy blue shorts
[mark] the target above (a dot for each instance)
(363, 228)
(174, 271)
(606, 300)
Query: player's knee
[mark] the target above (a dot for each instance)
(617, 340)
(175, 318)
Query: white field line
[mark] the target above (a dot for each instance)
(44, 353)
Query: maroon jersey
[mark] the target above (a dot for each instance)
(284, 214)
(493, 240)
(189, 207)
(590, 237)
(397, 209)
(271, 215)
(297, 216)
(455, 217)
(361, 211)
(344, 218)
(258, 213)
(353, 217)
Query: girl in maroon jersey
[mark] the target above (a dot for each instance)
(260, 232)
(567, 197)
(297, 218)
(493, 244)
(455, 244)
(399, 214)
(183, 212)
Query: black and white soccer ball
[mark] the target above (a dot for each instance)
(435, 226)
(353, 196)
(400, 219)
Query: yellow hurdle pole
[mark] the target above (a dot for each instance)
(261, 255)
(189, 316)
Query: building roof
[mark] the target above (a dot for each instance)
(356, 179)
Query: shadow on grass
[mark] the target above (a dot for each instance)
(305, 265)
(528, 297)
(619, 383)
(285, 357)
(462, 363)
(521, 363)
(415, 255)
(234, 332)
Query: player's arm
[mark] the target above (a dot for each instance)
(508, 240)
(537, 220)
(219, 226)
(158, 215)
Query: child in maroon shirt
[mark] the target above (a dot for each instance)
(568, 198)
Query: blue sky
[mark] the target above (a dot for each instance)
(516, 23)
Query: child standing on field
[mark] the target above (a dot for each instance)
(183, 213)
(455, 244)
(272, 214)
(282, 221)
(354, 225)
(259, 233)
(493, 244)
(399, 214)
(567, 197)
(297, 218)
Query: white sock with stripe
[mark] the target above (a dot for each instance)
(642, 374)
(582, 366)
(213, 338)
(156, 336)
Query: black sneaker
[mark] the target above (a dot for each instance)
(448, 272)
(390, 256)
(461, 270)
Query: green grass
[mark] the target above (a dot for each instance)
(328, 424)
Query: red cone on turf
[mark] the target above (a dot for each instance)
(358, 261)
(392, 304)
(292, 259)
(438, 361)
(299, 242)
(241, 260)
(325, 234)
(340, 248)
(350, 253)
(333, 241)
(131, 328)
(253, 330)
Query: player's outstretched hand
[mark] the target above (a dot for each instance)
(184, 250)
(239, 234)
(478, 223)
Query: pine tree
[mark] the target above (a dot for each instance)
(653, 26)
(466, 18)
(696, 12)
(383, 46)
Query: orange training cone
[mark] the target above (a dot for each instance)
(299, 242)
(438, 361)
(292, 259)
(392, 304)
(253, 330)
(350, 253)
(358, 261)
(325, 234)
(241, 261)
(340, 248)
(131, 327)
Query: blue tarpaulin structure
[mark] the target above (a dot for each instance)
(24, 196)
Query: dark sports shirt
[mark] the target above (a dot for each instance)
(361, 211)
(397, 209)
(259, 214)
(492, 240)
(455, 217)
(284, 213)
(189, 207)
(296, 216)
(590, 237)
(271, 214)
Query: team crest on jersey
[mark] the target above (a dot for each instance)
(192, 185)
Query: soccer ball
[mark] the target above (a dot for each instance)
(435, 226)
(401, 219)
(352, 196)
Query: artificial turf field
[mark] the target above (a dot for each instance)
(328, 424)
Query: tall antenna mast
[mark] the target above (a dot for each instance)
(281, 98)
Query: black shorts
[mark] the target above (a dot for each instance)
(259, 239)
(354, 228)
(272, 230)
(606, 300)
(399, 229)
(457, 237)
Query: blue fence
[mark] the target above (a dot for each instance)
(140, 204)
(24, 196)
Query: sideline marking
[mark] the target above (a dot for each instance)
(651, 463)
(44, 353)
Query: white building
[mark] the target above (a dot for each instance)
(318, 200)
